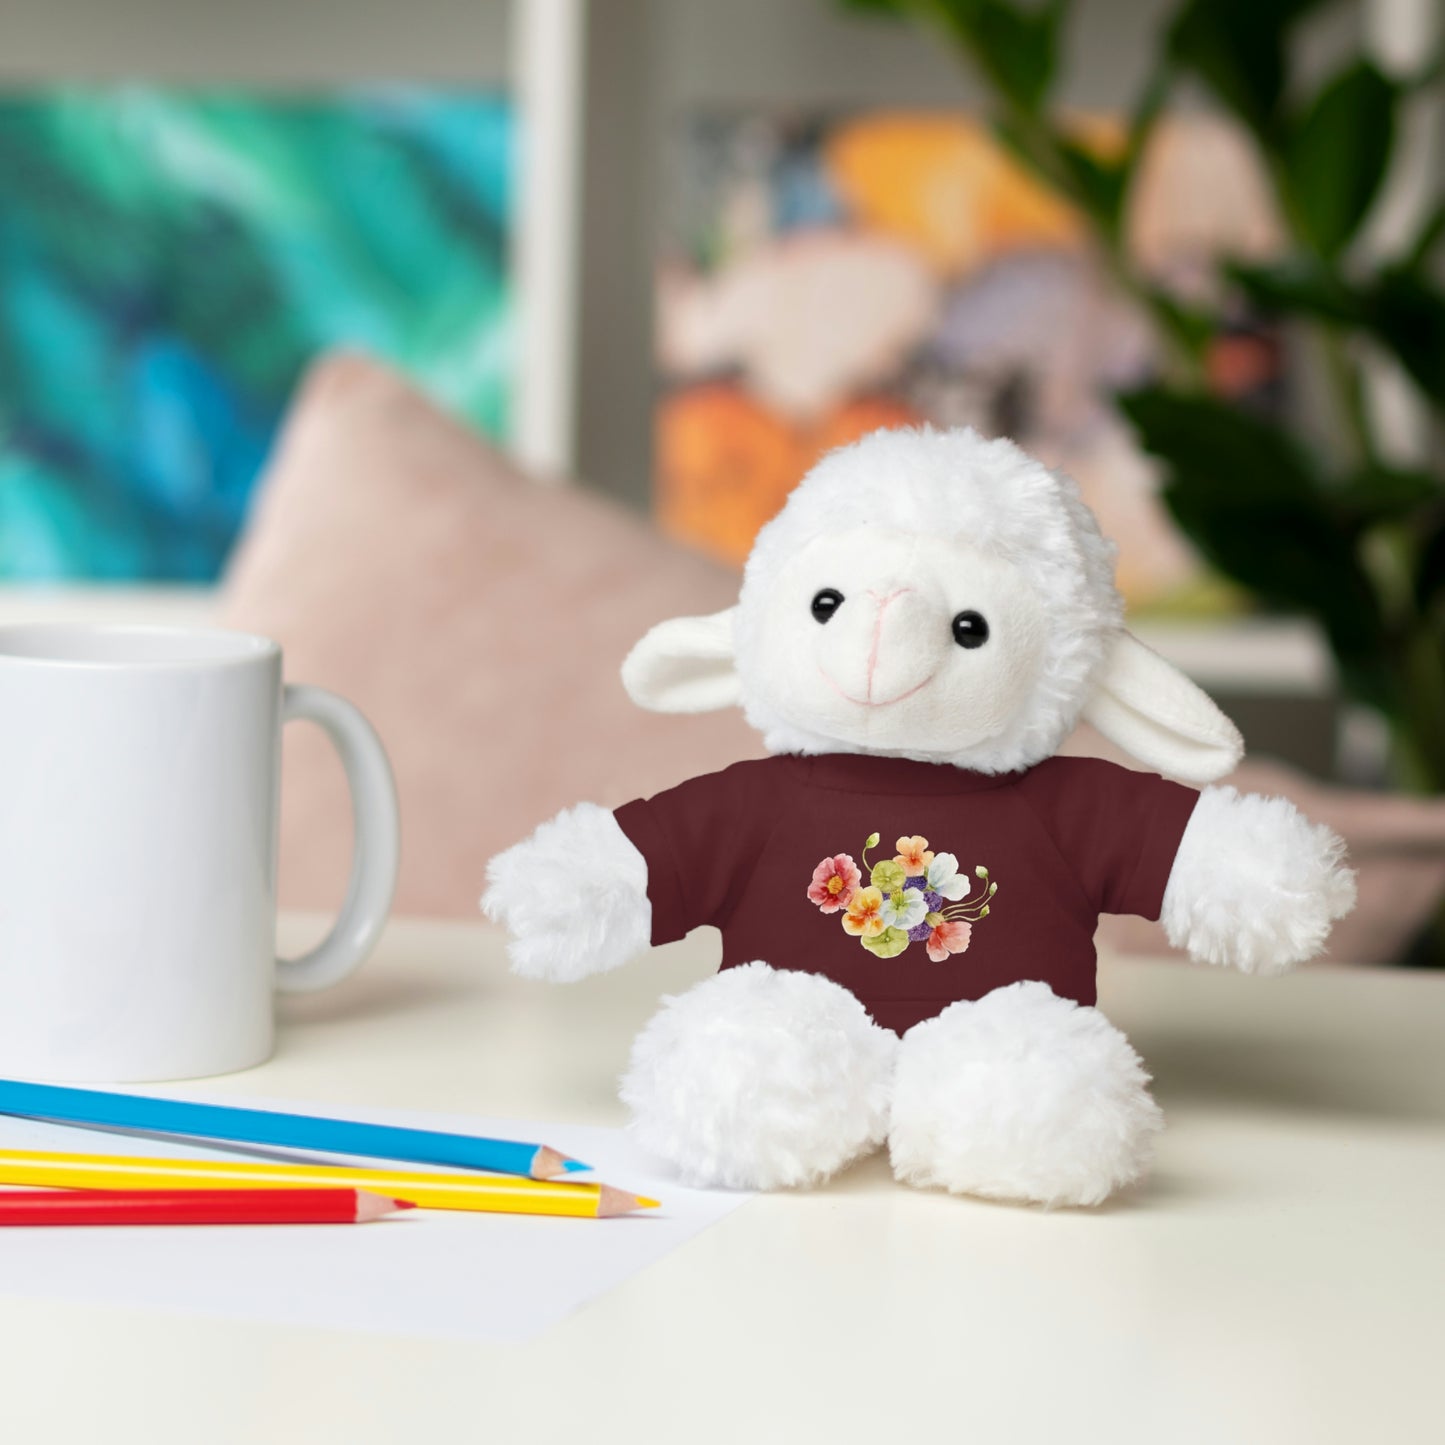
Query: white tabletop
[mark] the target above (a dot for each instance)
(1280, 1279)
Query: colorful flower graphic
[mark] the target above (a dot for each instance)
(916, 897)
(913, 855)
(835, 880)
(888, 944)
(888, 876)
(864, 918)
(904, 909)
(943, 877)
(948, 936)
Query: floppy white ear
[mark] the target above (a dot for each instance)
(685, 665)
(1152, 711)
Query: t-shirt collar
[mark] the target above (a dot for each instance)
(865, 773)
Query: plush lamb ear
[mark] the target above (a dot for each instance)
(685, 665)
(1152, 711)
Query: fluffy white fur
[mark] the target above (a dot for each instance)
(913, 528)
(760, 1078)
(1255, 884)
(766, 1078)
(988, 497)
(1021, 1096)
(600, 921)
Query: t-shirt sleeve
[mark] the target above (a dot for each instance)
(695, 839)
(1117, 829)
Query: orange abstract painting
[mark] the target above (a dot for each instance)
(822, 277)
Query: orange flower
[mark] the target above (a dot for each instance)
(913, 856)
(864, 918)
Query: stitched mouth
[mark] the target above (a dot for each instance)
(868, 702)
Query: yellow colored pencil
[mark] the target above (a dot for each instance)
(486, 1193)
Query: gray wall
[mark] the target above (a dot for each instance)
(253, 41)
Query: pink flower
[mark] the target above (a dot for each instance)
(835, 880)
(948, 937)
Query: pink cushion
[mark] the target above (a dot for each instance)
(476, 617)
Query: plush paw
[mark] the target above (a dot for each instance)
(760, 1078)
(598, 921)
(1021, 1096)
(1255, 884)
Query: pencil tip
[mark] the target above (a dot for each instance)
(547, 1163)
(371, 1206)
(612, 1202)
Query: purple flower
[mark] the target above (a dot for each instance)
(934, 901)
(919, 932)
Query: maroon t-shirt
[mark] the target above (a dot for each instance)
(973, 881)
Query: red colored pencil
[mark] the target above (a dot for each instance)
(194, 1206)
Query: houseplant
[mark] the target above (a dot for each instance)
(1308, 517)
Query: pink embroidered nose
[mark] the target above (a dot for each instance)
(883, 601)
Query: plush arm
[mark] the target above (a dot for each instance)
(1255, 884)
(573, 897)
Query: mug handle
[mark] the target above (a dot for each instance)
(375, 853)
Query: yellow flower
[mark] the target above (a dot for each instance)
(864, 918)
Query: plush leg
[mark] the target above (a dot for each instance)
(1021, 1096)
(760, 1078)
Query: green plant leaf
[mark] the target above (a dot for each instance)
(1403, 309)
(1337, 155)
(1237, 48)
(1015, 46)
(1382, 493)
(1431, 234)
(1253, 502)
(1303, 285)
(1407, 313)
(1247, 460)
(1430, 572)
(1100, 185)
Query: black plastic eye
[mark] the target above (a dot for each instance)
(969, 629)
(826, 603)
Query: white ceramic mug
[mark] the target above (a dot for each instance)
(139, 784)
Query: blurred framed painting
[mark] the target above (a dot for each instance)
(171, 260)
(823, 276)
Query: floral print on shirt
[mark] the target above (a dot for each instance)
(917, 896)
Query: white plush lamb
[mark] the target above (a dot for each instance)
(908, 887)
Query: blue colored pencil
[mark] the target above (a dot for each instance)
(283, 1131)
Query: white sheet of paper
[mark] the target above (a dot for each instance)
(424, 1272)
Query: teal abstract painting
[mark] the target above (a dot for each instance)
(170, 261)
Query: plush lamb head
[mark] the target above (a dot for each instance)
(907, 888)
(940, 597)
